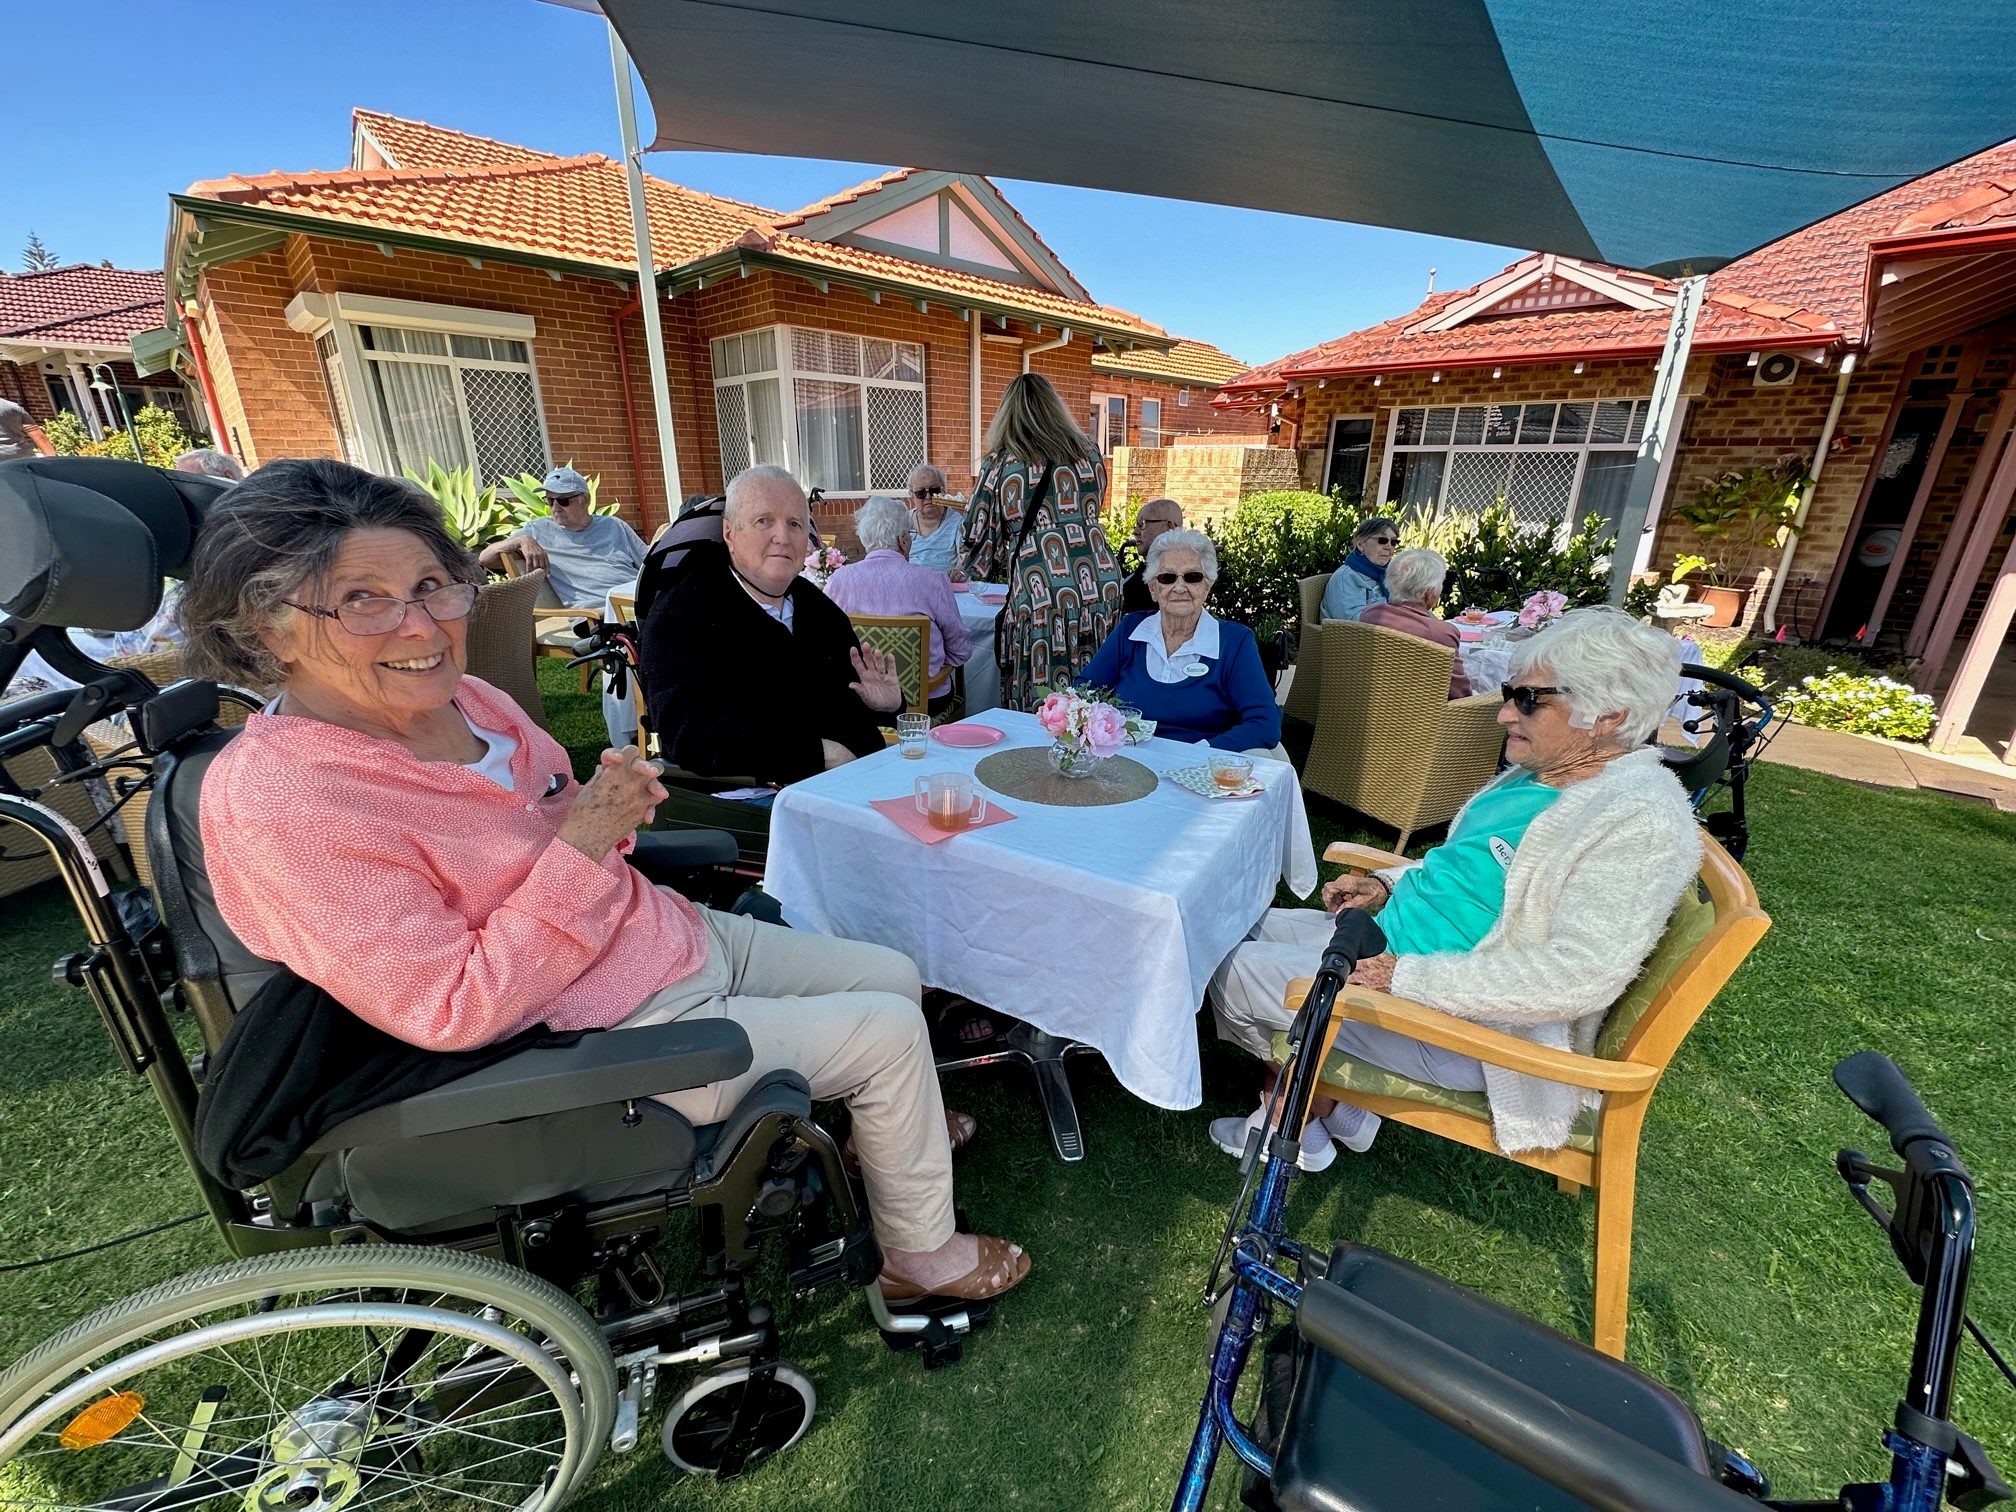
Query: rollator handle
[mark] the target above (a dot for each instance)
(1874, 1084)
(1356, 937)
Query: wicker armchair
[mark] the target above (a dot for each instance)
(1305, 690)
(907, 637)
(1390, 742)
(553, 622)
(501, 648)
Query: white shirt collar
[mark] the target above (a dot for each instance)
(1168, 667)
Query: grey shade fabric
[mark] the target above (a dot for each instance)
(1641, 133)
(86, 541)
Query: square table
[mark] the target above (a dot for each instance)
(1099, 926)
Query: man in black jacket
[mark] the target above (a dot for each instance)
(753, 676)
(1156, 516)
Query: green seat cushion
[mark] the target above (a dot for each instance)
(1349, 1074)
(1693, 917)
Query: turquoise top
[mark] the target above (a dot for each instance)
(1451, 900)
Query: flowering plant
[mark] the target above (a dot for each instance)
(1542, 609)
(1860, 704)
(822, 562)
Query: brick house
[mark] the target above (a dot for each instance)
(454, 298)
(1133, 403)
(63, 329)
(1534, 384)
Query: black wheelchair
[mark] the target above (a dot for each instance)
(1732, 720)
(1390, 1389)
(451, 1298)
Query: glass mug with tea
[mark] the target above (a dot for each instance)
(951, 800)
(1230, 773)
(913, 733)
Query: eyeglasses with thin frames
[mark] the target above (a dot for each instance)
(1526, 699)
(377, 615)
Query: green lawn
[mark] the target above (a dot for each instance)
(1760, 1292)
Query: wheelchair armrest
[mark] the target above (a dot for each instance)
(661, 855)
(606, 1067)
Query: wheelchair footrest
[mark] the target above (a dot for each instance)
(946, 1322)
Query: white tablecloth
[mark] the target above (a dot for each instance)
(1486, 663)
(983, 677)
(1098, 924)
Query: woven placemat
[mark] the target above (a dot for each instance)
(1025, 773)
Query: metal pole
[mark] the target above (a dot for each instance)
(647, 274)
(125, 412)
(1652, 449)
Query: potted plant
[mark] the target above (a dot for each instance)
(1734, 516)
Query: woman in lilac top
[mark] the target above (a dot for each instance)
(1197, 677)
(886, 582)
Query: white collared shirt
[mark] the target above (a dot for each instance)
(1173, 667)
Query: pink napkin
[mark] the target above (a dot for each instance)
(904, 812)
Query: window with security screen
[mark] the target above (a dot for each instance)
(455, 399)
(842, 413)
(1550, 464)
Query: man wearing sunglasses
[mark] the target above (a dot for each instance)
(584, 554)
(1156, 517)
(938, 540)
(1361, 580)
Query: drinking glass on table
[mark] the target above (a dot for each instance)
(1229, 771)
(913, 731)
(951, 800)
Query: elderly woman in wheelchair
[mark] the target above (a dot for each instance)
(1533, 916)
(409, 840)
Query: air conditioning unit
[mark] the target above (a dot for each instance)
(1775, 370)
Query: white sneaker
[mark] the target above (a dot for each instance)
(1353, 1128)
(1317, 1150)
(1229, 1134)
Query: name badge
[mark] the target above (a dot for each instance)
(1502, 852)
(1196, 669)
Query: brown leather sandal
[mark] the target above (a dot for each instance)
(1002, 1266)
(959, 1129)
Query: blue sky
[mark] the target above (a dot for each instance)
(116, 105)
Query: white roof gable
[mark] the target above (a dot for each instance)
(1545, 282)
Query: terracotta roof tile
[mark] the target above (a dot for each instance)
(79, 305)
(1988, 201)
(577, 208)
(415, 144)
(1196, 362)
(845, 197)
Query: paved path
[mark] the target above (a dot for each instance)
(1878, 763)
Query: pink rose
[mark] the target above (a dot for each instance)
(1105, 730)
(1055, 713)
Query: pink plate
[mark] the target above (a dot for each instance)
(962, 587)
(968, 735)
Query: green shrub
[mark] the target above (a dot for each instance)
(1860, 704)
(66, 433)
(1271, 542)
(162, 438)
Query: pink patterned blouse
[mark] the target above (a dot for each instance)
(423, 896)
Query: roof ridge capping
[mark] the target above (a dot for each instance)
(360, 115)
(245, 186)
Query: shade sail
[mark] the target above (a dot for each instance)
(1655, 134)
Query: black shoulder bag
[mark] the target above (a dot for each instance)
(1037, 497)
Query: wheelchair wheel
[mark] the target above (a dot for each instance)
(370, 1375)
(701, 1420)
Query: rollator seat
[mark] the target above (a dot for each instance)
(572, 1123)
(1349, 1445)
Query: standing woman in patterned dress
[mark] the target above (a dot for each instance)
(1034, 522)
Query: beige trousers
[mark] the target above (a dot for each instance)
(845, 1016)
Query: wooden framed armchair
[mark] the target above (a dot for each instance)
(553, 622)
(1714, 927)
(1390, 742)
(1305, 689)
(907, 637)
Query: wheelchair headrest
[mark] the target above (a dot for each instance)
(85, 541)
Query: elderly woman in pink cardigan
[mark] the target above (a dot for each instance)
(408, 840)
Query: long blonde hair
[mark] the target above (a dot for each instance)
(1033, 423)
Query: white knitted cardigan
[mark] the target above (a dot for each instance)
(1587, 896)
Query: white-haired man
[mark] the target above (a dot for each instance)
(212, 463)
(584, 554)
(886, 581)
(749, 670)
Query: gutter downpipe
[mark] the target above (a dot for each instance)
(1806, 500)
(973, 400)
(616, 320)
(647, 273)
(1048, 346)
(192, 317)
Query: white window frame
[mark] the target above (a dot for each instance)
(1102, 409)
(341, 314)
(786, 371)
(1565, 526)
(1157, 432)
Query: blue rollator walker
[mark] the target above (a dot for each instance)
(1390, 1388)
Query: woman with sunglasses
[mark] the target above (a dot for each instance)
(1361, 579)
(1533, 917)
(940, 537)
(1196, 676)
(408, 840)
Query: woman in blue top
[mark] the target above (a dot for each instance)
(1197, 677)
(1361, 580)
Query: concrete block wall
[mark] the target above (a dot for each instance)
(1208, 481)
